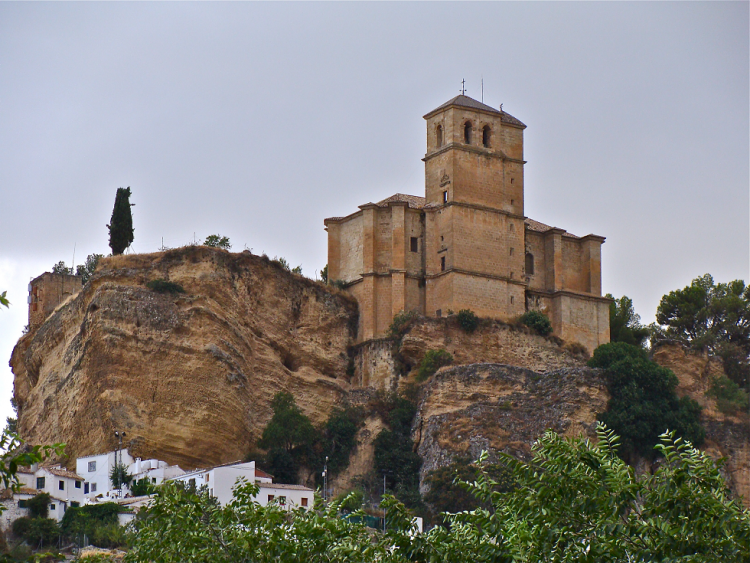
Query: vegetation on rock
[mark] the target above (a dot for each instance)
(164, 286)
(121, 224)
(432, 361)
(536, 321)
(218, 241)
(467, 320)
(87, 269)
(401, 323)
(730, 398)
(624, 323)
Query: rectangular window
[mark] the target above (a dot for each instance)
(270, 498)
(414, 244)
(52, 506)
(207, 476)
(153, 480)
(439, 313)
(61, 485)
(304, 501)
(78, 484)
(282, 500)
(445, 196)
(22, 503)
(85, 488)
(442, 263)
(191, 483)
(511, 251)
(93, 487)
(40, 483)
(92, 466)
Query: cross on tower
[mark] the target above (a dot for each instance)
(463, 87)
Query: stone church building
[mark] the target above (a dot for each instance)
(467, 244)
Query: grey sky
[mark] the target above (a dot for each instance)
(259, 120)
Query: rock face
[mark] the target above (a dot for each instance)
(189, 377)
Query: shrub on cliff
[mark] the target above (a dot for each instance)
(432, 361)
(217, 241)
(121, 224)
(164, 286)
(536, 321)
(467, 320)
(402, 322)
(87, 270)
(643, 403)
(729, 397)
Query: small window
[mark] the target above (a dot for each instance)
(191, 483)
(61, 485)
(511, 300)
(512, 201)
(52, 506)
(486, 136)
(467, 132)
(93, 487)
(445, 196)
(22, 503)
(511, 275)
(270, 498)
(529, 264)
(282, 500)
(74, 504)
(208, 475)
(40, 483)
(511, 180)
(85, 488)
(511, 228)
(153, 480)
(92, 466)
(414, 244)
(210, 492)
(439, 313)
(442, 263)
(78, 484)
(511, 251)
(439, 132)
(303, 502)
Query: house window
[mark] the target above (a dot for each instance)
(74, 504)
(303, 502)
(22, 503)
(191, 483)
(439, 136)
(61, 485)
(486, 136)
(52, 506)
(270, 498)
(85, 488)
(467, 132)
(78, 484)
(40, 483)
(207, 477)
(414, 244)
(92, 466)
(153, 479)
(529, 264)
(442, 263)
(445, 196)
(282, 500)
(93, 487)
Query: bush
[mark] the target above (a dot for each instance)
(536, 321)
(433, 360)
(351, 501)
(467, 320)
(577, 349)
(729, 397)
(217, 241)
(401, 323)
(164, 286)
(141, 487)
(38, 505)
(36, 531)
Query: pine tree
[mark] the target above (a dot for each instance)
(121, 225)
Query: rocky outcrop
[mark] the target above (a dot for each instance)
(189, 377)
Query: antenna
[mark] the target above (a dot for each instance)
(73, 266)
(482, 89)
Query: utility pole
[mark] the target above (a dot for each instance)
(118, 466)
(325, 480)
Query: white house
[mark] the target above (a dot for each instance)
(96, 470)
(219, 481)
(64, 487)
(156, 471)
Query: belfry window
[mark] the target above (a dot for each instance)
(467, 132)
(442, 263)
(486, 136)
(439, 136)
(529, 264)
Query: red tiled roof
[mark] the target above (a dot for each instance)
(414, 201)
(261, 473)
(539, 227)
(64, 473)
(284, 486)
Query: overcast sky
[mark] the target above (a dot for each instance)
(257, 121)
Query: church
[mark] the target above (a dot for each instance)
(467, 243)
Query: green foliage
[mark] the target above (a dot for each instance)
(36, 531)
(281, 261)
(339, 284)
(62, 268)
(119, 476)
(537, 321)
(468, 320)
(324, 274)
(340, 437)
(87, 270)
(217, 241)
(121, 224)
(643, 403)
(14, 454)
(432, 361)
(574, 501)
(141, 487)
(625, 323)
(97, 521)
(4, 299)
(351, 501)
(164, 286)
(729, 397)
(401, 323)
(38, 505)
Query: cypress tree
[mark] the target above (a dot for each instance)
(121, 224)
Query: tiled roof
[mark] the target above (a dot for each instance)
(539, 227)
(261, 473)
(414, 201)
(64, 473)
(467, 102)
(283, 486)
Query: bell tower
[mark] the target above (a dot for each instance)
(474, 248)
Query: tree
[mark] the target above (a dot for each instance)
(141, 487)
(121, 224)
(217, 241)
(119, 475)
(324, 274)
(643, 403)
(537, 321)
(62, 268)
(625, 323)
(87, 270)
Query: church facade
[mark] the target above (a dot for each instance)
(467, 243)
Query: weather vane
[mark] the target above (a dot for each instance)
(463, 87)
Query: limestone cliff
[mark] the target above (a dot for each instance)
(189, 377)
